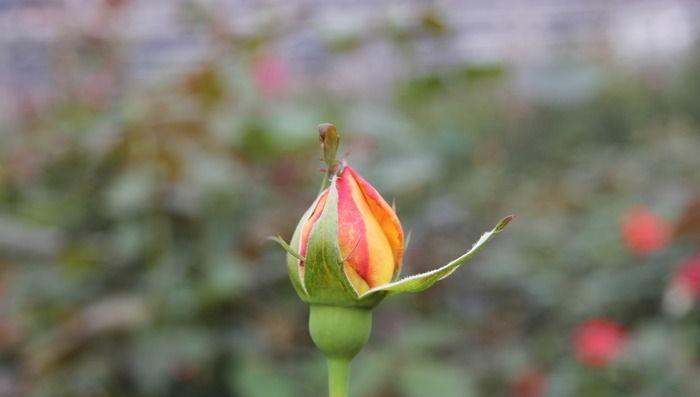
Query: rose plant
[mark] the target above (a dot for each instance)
(345, 257)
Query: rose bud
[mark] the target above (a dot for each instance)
(345, 256)
(370, 237)
(347, 248)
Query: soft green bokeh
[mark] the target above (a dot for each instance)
(133, 259)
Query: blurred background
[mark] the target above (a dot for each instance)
(147, 149)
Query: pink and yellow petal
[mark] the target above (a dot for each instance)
(363, 243)
(384, 214)
(351, 228)
(357, 282)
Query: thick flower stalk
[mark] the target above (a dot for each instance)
(345, 257)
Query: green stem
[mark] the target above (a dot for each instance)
(326, 178)
(338, 377)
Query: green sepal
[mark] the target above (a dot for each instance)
(323, 276)
(423, 281)
(293, 268)
(279, 240)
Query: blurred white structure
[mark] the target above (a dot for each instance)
(161, 39)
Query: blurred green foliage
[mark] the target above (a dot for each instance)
(132, 226)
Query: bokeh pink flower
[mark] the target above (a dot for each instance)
(643, 231)
(271, 75)
(687, 277)
(599, 341)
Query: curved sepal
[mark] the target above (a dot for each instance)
(423, 281)
(294, 268)
(279, 240)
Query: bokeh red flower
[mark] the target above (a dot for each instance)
(687, 277)
(529, 383)
(643, 231)
(599, 341)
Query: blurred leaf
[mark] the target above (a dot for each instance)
(225, 278)
(254, 380)
(158, 354)
(427, 335)
(370, 371)
(433, 22)
(425, 378)
(131, 192)
(206, 85)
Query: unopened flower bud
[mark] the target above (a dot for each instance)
(345, 257)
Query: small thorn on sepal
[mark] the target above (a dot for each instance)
(279, 240)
